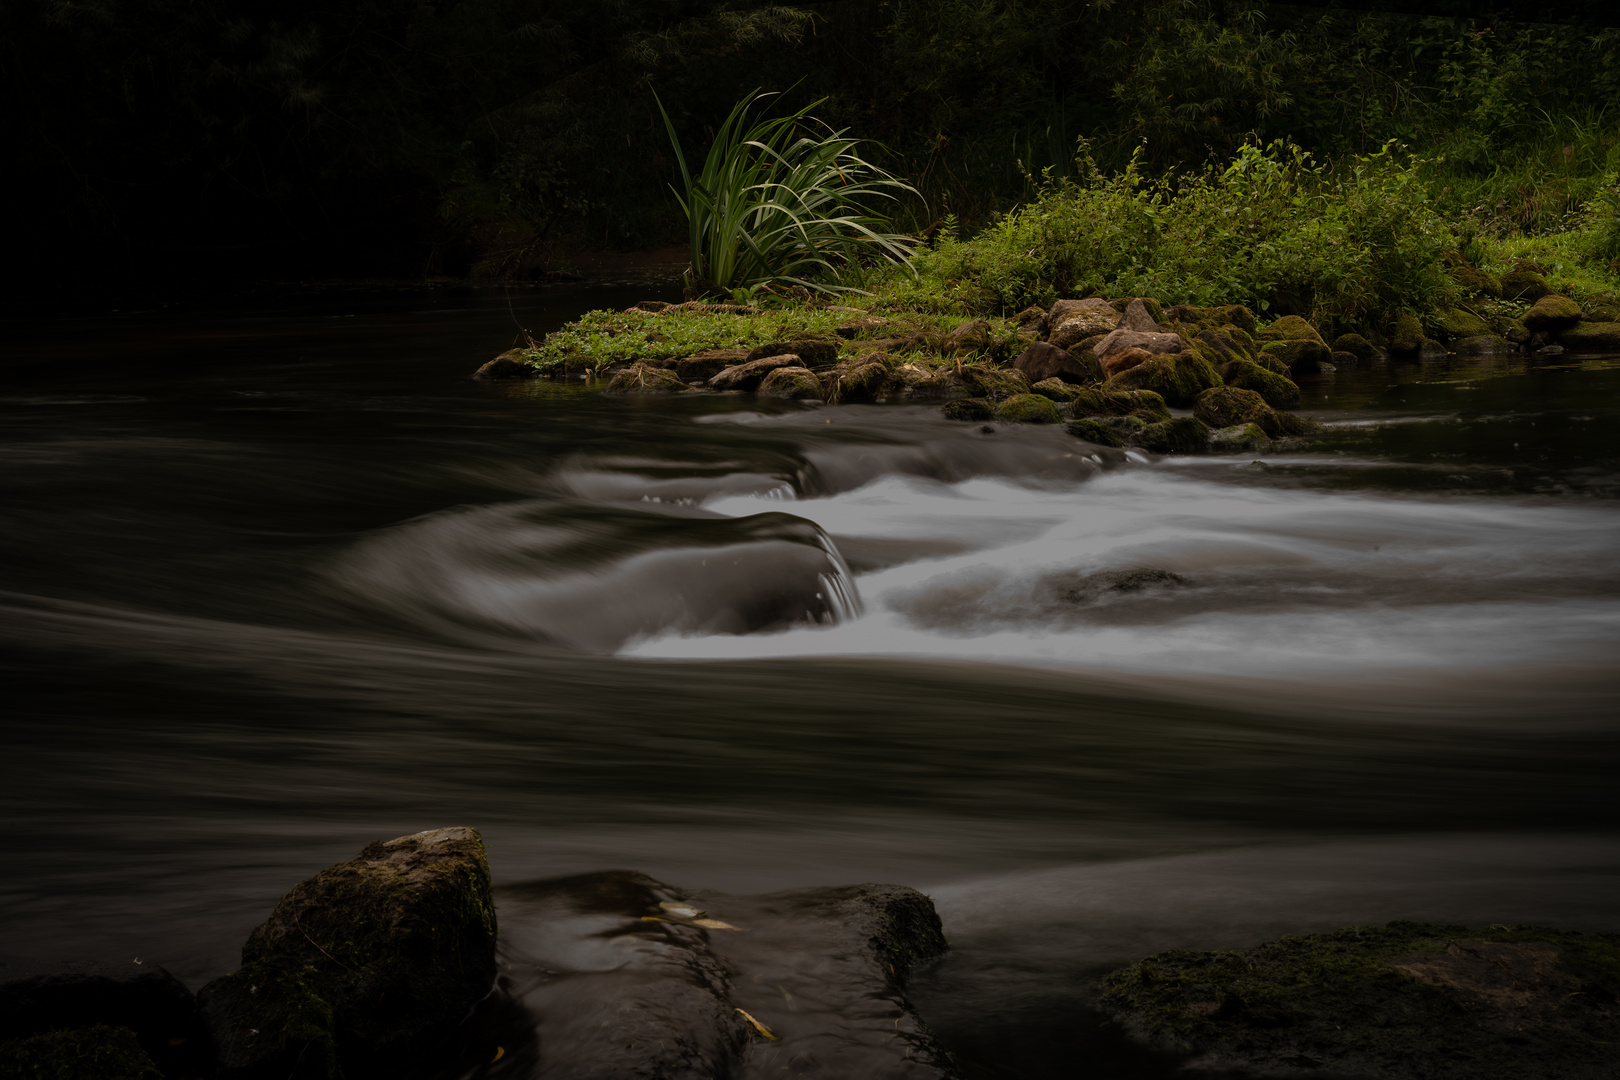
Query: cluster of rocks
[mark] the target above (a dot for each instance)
(1550, 323)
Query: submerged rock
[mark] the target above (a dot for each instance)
(977, 409)
(1239, 437)
(1403, 1000)
(1096, 431)
(623, 976)
(363, 968)
(1482, 345)
(512, 364)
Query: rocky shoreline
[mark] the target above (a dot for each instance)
(387, 966)
(1112, 369)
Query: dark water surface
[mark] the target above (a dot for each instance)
(275, 583)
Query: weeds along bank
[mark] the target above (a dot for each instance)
(1110, 300)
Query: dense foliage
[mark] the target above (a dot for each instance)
(486, 136)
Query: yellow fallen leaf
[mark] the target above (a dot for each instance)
(759, 1027)
(682, 911)
(714, 924)
(500, 1052)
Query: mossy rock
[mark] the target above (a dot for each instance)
(791, 382)
(1476, 282)
(1097, 431)
(1592, 337)
(1454, 324)
(1290, 328)
(1226, 406)
(1278, 391)
(269, 1019)
(1299, 356)
(1028, 409)
(1482, 345)
(1524, 284)
(398, 943)
(1356, 346)
(970, 337)
(1552, 313)
(646, 379)
(87, 1053)
(861, 380)
(1344, 359)
(1239, 438)
(1177, 378)
(705, 365)
(1221, 346)
(1406, 335)
(1403, 1000)
(1210, 318)
(1098, 401)
(1180, 435)
(997, 383)
(1600, 309)
(1514, 330)
(1056, 389)
(969, 409)
(812, 352)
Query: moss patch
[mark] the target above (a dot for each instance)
(1279, 392)
(1406, 999)
(1096, 431)
(1028, 409)
(1178, 378)
(1182, 435)
(90, 1053)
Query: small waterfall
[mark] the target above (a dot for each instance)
(838, 588)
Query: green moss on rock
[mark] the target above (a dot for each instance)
(88, 1053)
(791, 382)
(1098, 401)
(969, 409)
(1402, 1000)
(1278, 391)
(398, 943)
(1177, 378)
(1028, 409)
(1592, 337)
(646, 379)
(868, 379)
(1056, 389)
(1290, 328)
(1096, 431)
(1181, 435)
(1524, 284)
(1406, 335)
(1475, 282)
(1298, 355)
(996, 383)
(1356, 346)
(1552, 313)
(1454, 324)
(1239, 438)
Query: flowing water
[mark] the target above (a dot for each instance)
(277, 582)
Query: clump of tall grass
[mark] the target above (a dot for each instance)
(1272, 229)
(778, 204)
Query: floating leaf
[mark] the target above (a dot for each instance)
(500, 1052)
(759, 1027)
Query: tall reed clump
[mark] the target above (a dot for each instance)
(776, 204)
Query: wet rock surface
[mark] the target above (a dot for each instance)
(123, 1012)
(617, 975)
(1397, 1001)
(365, 967)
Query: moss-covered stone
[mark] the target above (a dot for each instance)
(88, 1053)
(646, 379)
(1211, 318)
(1406, 335)
(1475, 282)
(1356, 346)
(866, 379)
(1181, 435)
(970, 337)
(1402, 1000)
(996, 383)
(1177, 378)
(1453, 324)
(1552, 313)
(1154, 310)
(1221, 346)
(1096, 431)
(1524, 284)
(1028, 409)
(1344, 359)
(813, 352)
(1278, 391)
(1239, 438)
(1592, 337)
(969, 409)
(1100, 401)
(791, 382)
(268, 1019)
(1482, 345)
(750, 373)
(1227, 406)
(398, 943)
(1300, 356)
(1290, 328)
(1056, 389)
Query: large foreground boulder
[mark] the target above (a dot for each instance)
(363, 969)
(1406, 1000)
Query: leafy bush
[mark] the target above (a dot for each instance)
(1272, 229)
(774, 206)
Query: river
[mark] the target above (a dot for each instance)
(278, 579)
